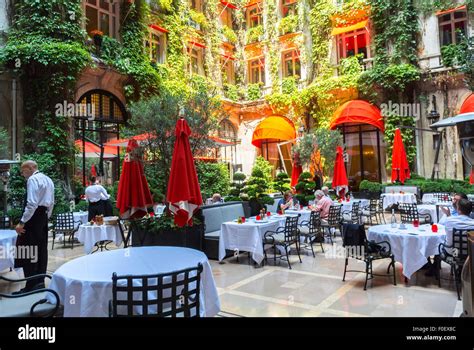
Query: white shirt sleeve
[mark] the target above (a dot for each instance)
(103, 193)
(32, 199)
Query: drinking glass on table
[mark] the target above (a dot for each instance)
(416, 223)
(434, 228)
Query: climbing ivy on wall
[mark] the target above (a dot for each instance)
(46, 49)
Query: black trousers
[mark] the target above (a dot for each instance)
(32, 247)
(102, 207)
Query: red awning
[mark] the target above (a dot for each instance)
(158, 28)
(228, 4)
(357, 112)
(468, 105)
(195, 43)
(439, 13)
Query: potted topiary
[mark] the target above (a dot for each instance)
(305, 188)
(369, 189)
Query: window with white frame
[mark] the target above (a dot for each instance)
(155, 45)
(254, 16)
(257, 71)
(289, 7)
(195, 65)
(102, 15)
(452, 26)
(353, 43)
(291, 63)
(228, 75)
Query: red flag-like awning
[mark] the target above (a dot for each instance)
(133, 197)
(400, 168)
(184, 193)
(339, 180)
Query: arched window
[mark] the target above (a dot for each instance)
(227, 130)
(105, 106)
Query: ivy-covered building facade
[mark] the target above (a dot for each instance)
(363, 67)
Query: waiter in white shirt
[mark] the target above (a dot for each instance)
(98, 199)
(33, 227)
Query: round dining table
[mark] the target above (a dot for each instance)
(89, 235)
(84, 285)
(411, 246)
(7, 246)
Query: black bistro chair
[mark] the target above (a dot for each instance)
(371, 212)
(352, 216)
(409, 213)
(174, 294)
(283, 237)
(311, 231)
(454, 255)
(4, 222)
(31, 303)
(358, 247)
(64, 224)
(334, 221)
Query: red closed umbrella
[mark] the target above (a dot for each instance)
(295, 174)
(471, 177)
(400, 168)
(339, 181)
(93, 171)
(133, 197)
(184, 193)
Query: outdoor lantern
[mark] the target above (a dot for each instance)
(433, 116)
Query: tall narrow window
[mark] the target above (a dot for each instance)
(196, 5)
(155, 45)
(291, 64)
(195, 60)
(288, 7)
(452, 26)
(102, 15)
(228, 76)
(257, 71)
(254, 16)
(353, 43)
(226, 17)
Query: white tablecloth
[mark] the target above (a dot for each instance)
(85, 284)
(305, 214)
(395, 198)
(247, 237)
(81, 216)
(91, 234)
(411, 246)
(7, 246)
(428, 209)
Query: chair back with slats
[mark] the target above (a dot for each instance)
(174, 294)
(4, 222)
(408, 212)
(334, 217)
(460, 245)
(442, 197)
(291, 228)
(314, 222)
(355, 213)
(64, 222)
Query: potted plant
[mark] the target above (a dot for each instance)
(98, 37)
(305, 188)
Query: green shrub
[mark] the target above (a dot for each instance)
(82, 206)
(254, 91)
(282, 183)
(213, 178)
(305, 188)
(370, 186)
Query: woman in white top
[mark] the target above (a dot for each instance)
(98, 199)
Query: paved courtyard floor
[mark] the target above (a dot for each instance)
(314, 288)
